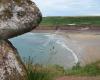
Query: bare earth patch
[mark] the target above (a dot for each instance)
(78, 78)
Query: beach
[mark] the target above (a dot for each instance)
(85, 44)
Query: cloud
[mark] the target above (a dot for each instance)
(68, 7)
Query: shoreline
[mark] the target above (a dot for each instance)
(86, 44)
(69, 27)
(96, 32)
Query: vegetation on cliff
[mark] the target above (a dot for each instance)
(60, 21)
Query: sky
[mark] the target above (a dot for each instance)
(69, 7)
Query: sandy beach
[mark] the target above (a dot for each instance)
(85, 44)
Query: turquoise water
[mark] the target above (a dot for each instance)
(44, 49)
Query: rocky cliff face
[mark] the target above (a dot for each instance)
(16, 17)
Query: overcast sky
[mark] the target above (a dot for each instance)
(68, 7)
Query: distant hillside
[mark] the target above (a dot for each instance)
(54, 21)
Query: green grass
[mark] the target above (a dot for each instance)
(89, 70)
(53, 21)
(38, 75)
(39, 72)
(49, 73)
(36, 71)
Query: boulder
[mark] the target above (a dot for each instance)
(18, 17)
(11, 66)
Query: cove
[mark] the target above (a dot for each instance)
(45, 48)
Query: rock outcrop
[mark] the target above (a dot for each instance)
(11, 67)
(16, 17)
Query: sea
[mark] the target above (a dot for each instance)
(45, 49)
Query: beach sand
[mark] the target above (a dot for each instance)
(85, 44)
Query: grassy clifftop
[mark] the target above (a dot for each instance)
(87, 20)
